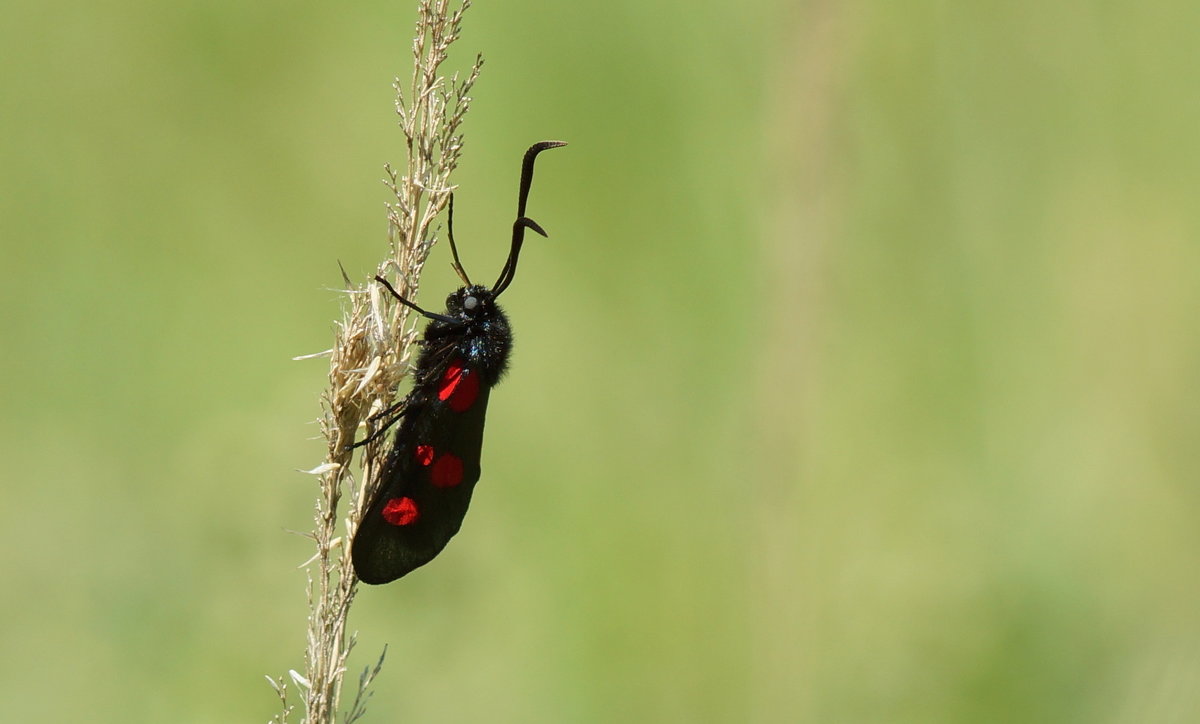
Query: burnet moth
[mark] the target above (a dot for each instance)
(431, 470)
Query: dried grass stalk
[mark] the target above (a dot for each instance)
(371, 354)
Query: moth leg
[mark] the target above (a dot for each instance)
(395, 412)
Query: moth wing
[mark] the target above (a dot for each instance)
(427, 483)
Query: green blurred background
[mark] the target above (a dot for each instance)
(856, 383)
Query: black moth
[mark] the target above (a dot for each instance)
(427, 479)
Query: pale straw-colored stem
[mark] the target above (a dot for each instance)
(371, 353)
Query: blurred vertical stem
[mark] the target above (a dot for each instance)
(371, 354)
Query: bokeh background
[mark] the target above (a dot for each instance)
(857, 382)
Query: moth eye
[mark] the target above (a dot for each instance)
(470, 303)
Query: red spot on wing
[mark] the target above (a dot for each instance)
(447, 471)
(460, 386)
(424, 454)
(400, 511)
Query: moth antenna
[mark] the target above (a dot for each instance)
(457, 265)
(510, 266)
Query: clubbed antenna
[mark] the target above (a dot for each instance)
(457, 265)
(522, 222)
